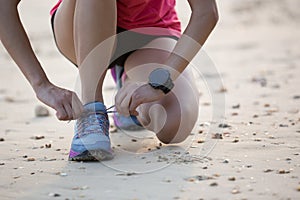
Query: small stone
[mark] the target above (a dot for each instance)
(41, 111)
(30, 159)
(133, 140)
(257, 140)
(282, 171)
(234, 114)
(283, 125)
(232, 178)
(48, 146)
(63, 174)
(223, 90)
(38, 137)
(267, 105)
(235, 191)
(226, 161)
(236, 106)
(9, 99)
(200, 141)
(255, 116)
(54, 195)
(2, 139)
(235, 141)
(200, 131)
(113, 129)
(224, 126)
(296, 97)
(1, 164)
(268, 170)
(298, 188)
(217, 136)
(213, 184)
(160, 144)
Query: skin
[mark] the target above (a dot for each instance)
(73, 20)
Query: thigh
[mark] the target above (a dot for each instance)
(63, 29)
(180, 107)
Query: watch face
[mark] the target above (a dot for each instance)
(159, 77)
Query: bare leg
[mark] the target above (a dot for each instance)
(173, 117)
(81, 27)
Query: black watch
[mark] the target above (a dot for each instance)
(161, 79)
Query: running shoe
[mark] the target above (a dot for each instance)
(91, 141)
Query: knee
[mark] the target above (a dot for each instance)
(175, 133)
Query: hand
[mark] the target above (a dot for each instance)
(132, 94)
(65, 102)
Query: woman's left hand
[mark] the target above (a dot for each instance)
(133, 94)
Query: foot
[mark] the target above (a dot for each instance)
(91, 141)
(130, 123)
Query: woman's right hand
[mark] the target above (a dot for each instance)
(65, 102)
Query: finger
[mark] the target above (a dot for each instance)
(135, 101)
(69, 111)
(61, 114)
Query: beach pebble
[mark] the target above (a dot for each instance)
(30, 159)
(283, 125)
(298, 188)
(48, 146)
(282, 171)
(224, 126)
(222, 90)
(235, 140)
(54, 195)
(38, 137)
(9, 99)
(236, 106)
(226, 161)
(2, 139)
(296, 97)
(41, 111)
(200, 141)
(268, 170)
(133, 140)
(1, 164)
(217, 136)
(235, 191)
(232, 178)
(213, 184)
(63, 174)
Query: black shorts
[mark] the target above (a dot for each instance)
(127, 43)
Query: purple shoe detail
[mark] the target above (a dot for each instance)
(73, 154)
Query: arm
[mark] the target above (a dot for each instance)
(203, 20)
(16, 42)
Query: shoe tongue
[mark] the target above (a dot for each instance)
(95, 106)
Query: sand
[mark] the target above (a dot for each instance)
(251, 101)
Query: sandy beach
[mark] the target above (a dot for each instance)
(245, 144)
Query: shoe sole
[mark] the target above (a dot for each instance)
(93, 155)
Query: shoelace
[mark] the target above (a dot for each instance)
(108, 110)
(91, 119)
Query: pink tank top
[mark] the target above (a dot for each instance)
(153, 17)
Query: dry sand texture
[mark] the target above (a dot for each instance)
(255, 49)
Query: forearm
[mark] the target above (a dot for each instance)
(15, 40)
(203, 20)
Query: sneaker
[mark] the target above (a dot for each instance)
(91, 141)
(130, 123)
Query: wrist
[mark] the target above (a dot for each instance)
(39, 83)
